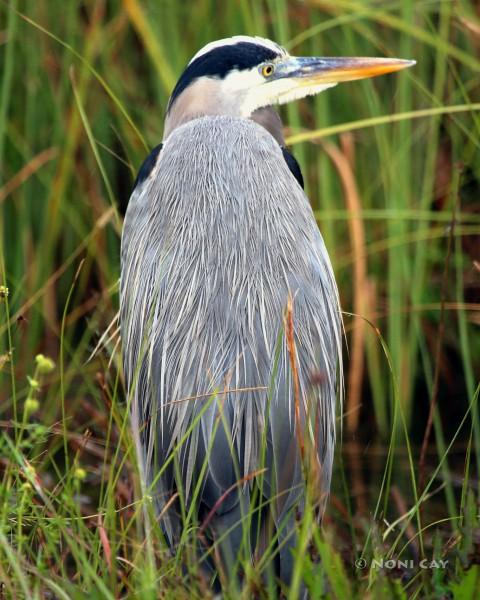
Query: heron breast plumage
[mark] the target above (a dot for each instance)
(216, 239)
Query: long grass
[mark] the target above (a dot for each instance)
(392, 168)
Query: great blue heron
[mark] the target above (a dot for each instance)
(219, 237)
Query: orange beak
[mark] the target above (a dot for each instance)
(326, 70)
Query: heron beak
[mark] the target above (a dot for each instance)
(319, 71)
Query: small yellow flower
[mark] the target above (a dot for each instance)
(31, 405)
(80, 474)
(3, 292)
(30, 470)
(45, 365)
(26, 487)
(33, 383)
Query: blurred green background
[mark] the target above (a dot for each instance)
(392, 168)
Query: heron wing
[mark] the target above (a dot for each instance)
(293, 166)
(147, 167)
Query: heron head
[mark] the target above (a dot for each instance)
(239, 75)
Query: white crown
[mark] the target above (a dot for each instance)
(237, 39)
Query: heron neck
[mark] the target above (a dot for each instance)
(202, 99)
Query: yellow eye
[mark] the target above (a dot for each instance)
(267, 70)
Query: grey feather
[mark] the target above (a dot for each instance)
(215, 241)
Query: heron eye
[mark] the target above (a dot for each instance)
(267, 70)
